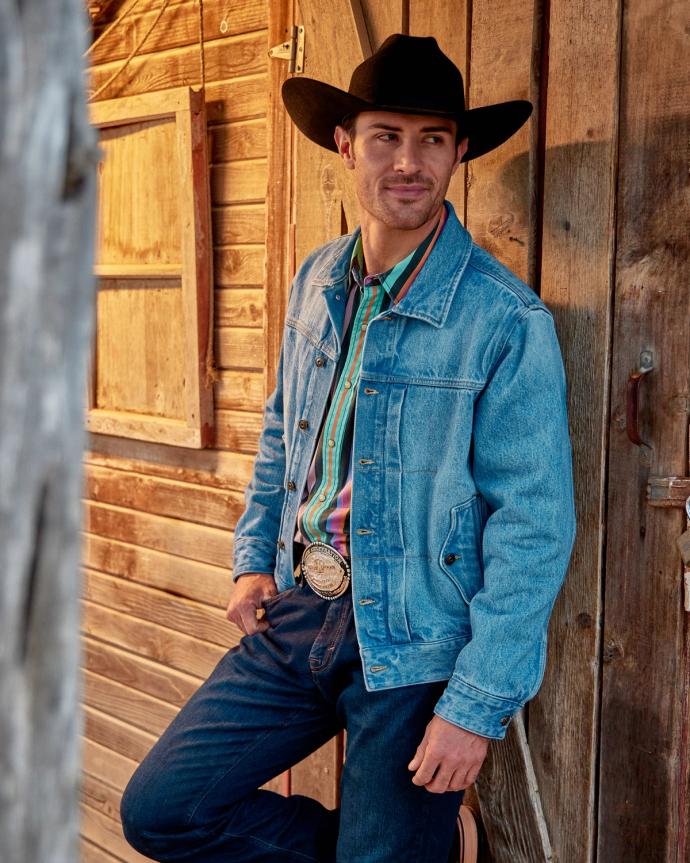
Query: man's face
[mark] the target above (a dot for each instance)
(402, 164)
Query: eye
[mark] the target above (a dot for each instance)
(386, 135)
(436, 138)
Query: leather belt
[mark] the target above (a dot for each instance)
(324, 569)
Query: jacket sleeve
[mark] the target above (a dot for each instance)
(256, 531)
(522, 466)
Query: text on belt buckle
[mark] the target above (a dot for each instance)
(327, 572)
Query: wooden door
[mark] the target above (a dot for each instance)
(500, 198)
(643, 800)
(338, 35)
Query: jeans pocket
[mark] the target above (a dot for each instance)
(271, 600)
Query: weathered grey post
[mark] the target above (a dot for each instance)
(48, 155)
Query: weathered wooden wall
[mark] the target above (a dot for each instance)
(559, 203)
(157, 542)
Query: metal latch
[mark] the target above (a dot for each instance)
(668, 490)
(292, 50)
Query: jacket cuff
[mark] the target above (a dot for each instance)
(252, 555)
(475, 710)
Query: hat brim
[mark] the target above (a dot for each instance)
(317, 108)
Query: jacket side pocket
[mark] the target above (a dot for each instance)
(461, 553)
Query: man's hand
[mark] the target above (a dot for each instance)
(249, 590)
(458, 754)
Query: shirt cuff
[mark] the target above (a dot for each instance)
(252, 555)
(474, 710)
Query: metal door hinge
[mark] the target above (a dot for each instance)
(293, 51)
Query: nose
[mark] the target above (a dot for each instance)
(407, 157)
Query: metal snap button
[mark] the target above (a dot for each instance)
(291, 485)
(505, 720)
(281, 544)
(320, 361)
(303, 424)
(451, 557)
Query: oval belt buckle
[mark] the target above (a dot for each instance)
(327, 572)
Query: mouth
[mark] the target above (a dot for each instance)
(408, 191)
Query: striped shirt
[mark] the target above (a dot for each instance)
(324, 511)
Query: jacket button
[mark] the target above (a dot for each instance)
(303, 424)
(281, 544)
(450, 557)
(291, 485)
(320, 361)
(505, 720)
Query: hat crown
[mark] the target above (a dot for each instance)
(409, 72)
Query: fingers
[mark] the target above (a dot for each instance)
(419, 754)
(243, 615)
(250, 590)
(250, 624)
(461, 779)
(441, 771)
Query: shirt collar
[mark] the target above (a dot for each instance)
(397, 279)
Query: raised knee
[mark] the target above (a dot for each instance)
(140, 816)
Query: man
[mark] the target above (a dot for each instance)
(410, 517)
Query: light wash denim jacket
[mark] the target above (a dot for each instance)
(463, 515)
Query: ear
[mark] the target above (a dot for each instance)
(345, 147)
(461, 150)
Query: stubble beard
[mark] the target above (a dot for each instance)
(404, 215)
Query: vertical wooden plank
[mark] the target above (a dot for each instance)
(684, 758)
(278, 195)
(447, 22)
(383, 19)
(323, 187)
(645, 626)
(501, 216)
(501, 184)
(279, 240)
(578, 147)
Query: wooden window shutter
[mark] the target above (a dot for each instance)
(150, 375)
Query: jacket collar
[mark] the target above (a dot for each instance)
(431, 294)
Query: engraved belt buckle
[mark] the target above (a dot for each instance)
(326, 571)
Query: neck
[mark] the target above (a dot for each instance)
(384, 246)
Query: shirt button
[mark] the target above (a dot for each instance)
(505, 720)
(281, 544)
(291, 485)
(451, 557)
(322, 497)
(337, 296)
(347, 385)
(331, 442)
(303, 424)
(320, 361)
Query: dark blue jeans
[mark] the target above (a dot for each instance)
(271, 701)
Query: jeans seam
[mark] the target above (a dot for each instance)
(270, 845)
(339, 630)
(249, 750)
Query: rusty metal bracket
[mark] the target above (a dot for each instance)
(668, 490)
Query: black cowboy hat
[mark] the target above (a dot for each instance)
(408, 75)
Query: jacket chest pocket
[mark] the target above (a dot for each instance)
(461, 553)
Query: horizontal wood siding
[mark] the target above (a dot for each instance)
(158, 520)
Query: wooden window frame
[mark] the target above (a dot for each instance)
(186, 107)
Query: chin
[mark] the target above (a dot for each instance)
(409, 216)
